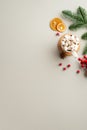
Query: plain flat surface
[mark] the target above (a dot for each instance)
(35, 94)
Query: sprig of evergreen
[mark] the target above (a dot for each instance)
(72, 16)
(75, 26)
(85, 50)
(84, 36)
(82, 13)
(79, 19)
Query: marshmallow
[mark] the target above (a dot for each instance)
(70, 43)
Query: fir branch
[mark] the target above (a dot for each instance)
(85, 50)
(84, 36)
(68, 14)
(72, 16)
(79, 13)
(82, 13)
(75, 26)
(79, 19)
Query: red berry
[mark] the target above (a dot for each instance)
(85, 56)
(64, 68)
(85, 61)
(60, 64)
(81, 62)
(82, 65)
(79, 59)
(68, 65)
(78, 71)
(57, 34)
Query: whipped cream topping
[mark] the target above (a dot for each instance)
(70, 43)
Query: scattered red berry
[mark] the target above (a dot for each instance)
(60, 64)
(85, 56)
(78, 71)
(79, 59)
(64, 68)
(68, 65)
(57, 34)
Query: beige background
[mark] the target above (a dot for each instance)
(35, 94)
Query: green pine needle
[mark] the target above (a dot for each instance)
(85, 50)
(75, 26)
(73, 17)
(82, 13)
(68, 14)
(79, 13)
(84, 36)
(79, 18)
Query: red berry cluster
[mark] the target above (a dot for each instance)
(83, 62)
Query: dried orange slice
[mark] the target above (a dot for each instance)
(54, 22)
(61, 27)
